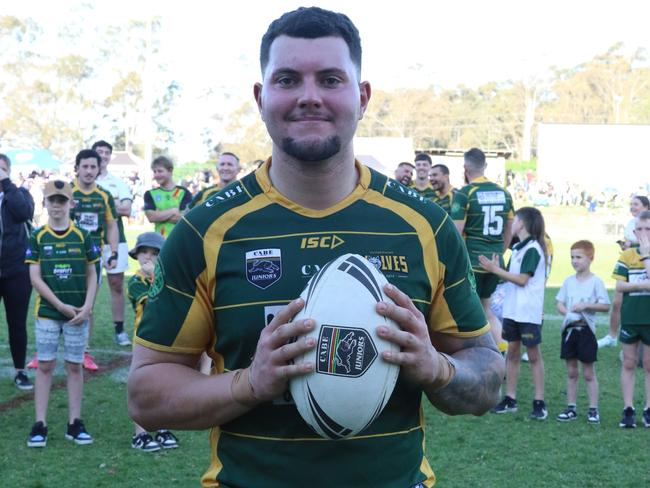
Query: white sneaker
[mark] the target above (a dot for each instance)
(122, 339)
(524, 357)
(607, 341)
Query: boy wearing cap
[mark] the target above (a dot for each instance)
(61, 260)
(146, 251)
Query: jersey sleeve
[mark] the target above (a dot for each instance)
(455, 307)
(93, 252)
(601, 292)
(459, 206)
(137, 290)
(620, 271)
(187, 199)
(32, 253)
(179, 314)
(530, 261)
(149, 204)
(511, 208)
(111, 209)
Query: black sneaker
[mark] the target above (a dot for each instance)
(145, 443)
(166, 439)
(507, 405)
(646, 417)
(567, 416)
(77, 432)
(22, 381)
(593, 417)
(629, 418)
(539, 410)
(37, 436)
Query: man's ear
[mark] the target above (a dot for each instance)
(257, 94)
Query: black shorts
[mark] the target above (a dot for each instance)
(528, 334)
(486, 283)
(579, 343)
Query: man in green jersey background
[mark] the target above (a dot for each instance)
(228, 169)
(483, 212)
(165, 205)
(94, 211)
(421, 182)
(445, 193)
(309, 203)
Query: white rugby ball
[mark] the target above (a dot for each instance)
(351, 383)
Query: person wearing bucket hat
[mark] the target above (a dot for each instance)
(146, 250)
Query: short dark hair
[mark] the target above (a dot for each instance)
(312, 23)
(423, 157)
(102, 143)
(227, 153)
(6, 159)
(475, 157)
(443, 168)
(85, 154)
(163, 161)
(405, 163)
(645, 215)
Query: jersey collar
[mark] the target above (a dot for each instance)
(76, 187)
(263, 179)
(56, 234)
(521, 244)
(480, 179)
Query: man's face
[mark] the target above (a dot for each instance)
(162, 175)
(579, 260)
(438, 179)
(422, 169)
(228, 168)
(4, 166)
(87, 170)
(404, 174)
(311, 100)
(105, 155)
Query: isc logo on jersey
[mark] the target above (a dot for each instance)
(324, 242)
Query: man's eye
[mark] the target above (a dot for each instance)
(331, 81)
(285, 81)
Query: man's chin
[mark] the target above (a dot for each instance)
(319, 149)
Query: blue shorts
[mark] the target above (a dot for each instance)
(47, 339)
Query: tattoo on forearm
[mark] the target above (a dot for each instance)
(475, 387)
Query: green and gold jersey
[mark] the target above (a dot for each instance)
(429, 193)
(160, 199)
(635, 309)
(485, 208)
(137, 291)
(63, 257)
(93, 210)
(203, 195)
(446, 201)
(247, 252)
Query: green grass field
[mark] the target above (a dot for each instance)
(489, 451)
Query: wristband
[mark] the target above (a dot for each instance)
(112, 258)
(446, 372)
(241, 388)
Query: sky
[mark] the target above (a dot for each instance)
(215, 45)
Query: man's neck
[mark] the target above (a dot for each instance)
(421, 184)
(444, 191)
(102, 173)
(583, 275)
(316, 185)
(59, 225)
(85, 187)
(475, 176)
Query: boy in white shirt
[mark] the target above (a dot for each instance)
(581, 296)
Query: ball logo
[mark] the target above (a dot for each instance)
(344, 351)
(263, 267)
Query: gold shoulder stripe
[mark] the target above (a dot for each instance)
(435, 233)
(192, 227)
(158, 347)
(179, 292)
(455, 284)
(250, 304)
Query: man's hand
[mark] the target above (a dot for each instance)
(419, 360)
(644, 245)
(175, 215)
(272, 365)
(579, 307)
(489, 264)
(147, 269)
(112, 260)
